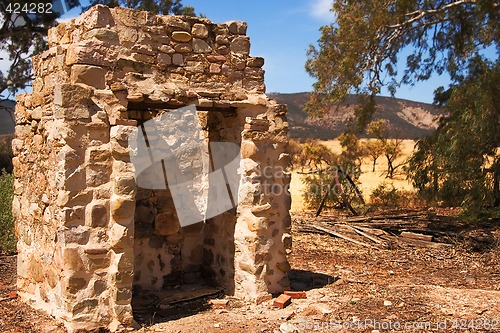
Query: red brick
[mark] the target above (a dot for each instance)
(219, 303)
(296, 294)
(282, 301)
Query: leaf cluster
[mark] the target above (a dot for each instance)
(311, 155)
(22, 35)
(359, 52)
(460, 163)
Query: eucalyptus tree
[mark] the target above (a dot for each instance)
(361, 52)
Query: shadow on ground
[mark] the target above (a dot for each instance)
(301, 280)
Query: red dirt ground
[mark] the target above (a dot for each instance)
(349, 289)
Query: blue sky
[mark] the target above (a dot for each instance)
(281, 32)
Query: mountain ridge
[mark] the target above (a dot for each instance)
(409, 119)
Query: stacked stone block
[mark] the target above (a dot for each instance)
(80, 218)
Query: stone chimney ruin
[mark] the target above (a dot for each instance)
(100, 234)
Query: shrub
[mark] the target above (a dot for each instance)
(7, 237)
(316, 186)
(386, 195)
(341, 193)
(6, 153)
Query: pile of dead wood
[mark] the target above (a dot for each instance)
(379, 232)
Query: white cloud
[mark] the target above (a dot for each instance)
(320, 9)
(65, 19)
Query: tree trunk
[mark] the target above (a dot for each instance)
(496, 188)
(390, 167)
(435, 182)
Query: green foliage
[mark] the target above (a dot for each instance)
(321, 165)
(322, 183)
(387, 196)
(311, 155)
(460, 163)
(314, 159)
(6, 155)
(359, 52)
(22, 36)
(480, 216)
(390, 148)
(7, 237)
(316, 185)
(352, 151)
(379, 128)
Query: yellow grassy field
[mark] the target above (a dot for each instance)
(369, 180)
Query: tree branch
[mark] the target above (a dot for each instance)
(419, 14)
(21, 30)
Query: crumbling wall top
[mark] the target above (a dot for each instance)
(152, 58)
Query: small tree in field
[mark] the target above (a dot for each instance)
(321, 167)
(351, 157)
(311, 155)
(374, 149)
(391, 148)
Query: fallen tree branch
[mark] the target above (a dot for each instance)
(336, 234)
(378, 241)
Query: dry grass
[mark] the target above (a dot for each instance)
(369, 180)
(7, 238)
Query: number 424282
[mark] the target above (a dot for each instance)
(29, 8)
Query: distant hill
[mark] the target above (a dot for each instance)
(411, 120)
(7, 122)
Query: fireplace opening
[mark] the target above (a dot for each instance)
(183, 247)
(199, 205)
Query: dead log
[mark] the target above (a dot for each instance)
(373, 231)
(407, 234)
(376, 240)
(336, 234)
(422, 243)
(400, 217)
(392, 225)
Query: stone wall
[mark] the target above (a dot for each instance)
(87, 234)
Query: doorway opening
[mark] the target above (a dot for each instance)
(176, 262)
